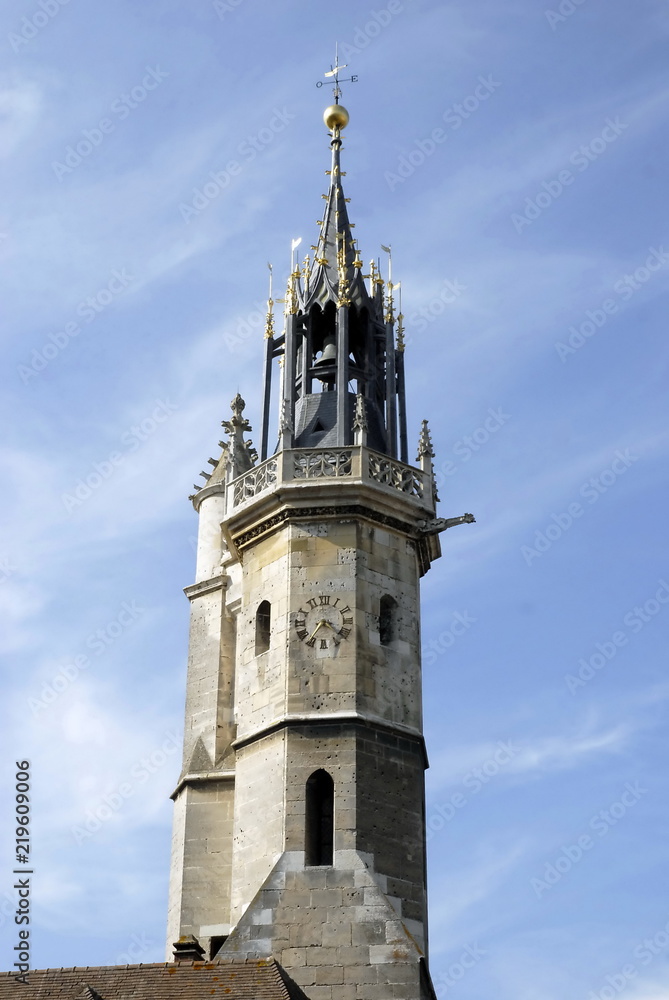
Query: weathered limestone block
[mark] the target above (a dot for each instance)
(330, 944)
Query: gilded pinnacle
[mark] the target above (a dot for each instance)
(400, 333)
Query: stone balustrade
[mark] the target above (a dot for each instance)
(355, 464)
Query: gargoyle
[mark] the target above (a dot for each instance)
(439, 524)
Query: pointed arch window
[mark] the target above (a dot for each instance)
(387, 620)
(263, 626)
(319, 838)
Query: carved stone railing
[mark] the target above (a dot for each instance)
(354, 464)
(320, 464)
(255, 481)
(402, 477)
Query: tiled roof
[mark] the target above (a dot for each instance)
(252, 980)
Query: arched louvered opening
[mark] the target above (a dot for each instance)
(387, 620)
(358, 323)
(323, 339)
(319, 833)
(263, 626)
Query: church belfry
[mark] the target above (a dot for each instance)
(299, 827)
(339, 340)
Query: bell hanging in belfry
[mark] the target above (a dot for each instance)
(329, 350)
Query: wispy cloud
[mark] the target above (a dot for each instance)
(532, 758)
(463, 892)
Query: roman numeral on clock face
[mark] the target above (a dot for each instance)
(323, 622)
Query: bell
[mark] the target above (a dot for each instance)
(329, 350)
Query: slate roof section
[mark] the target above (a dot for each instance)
(253, 980)
(324, 278)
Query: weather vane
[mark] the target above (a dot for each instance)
(334, 72)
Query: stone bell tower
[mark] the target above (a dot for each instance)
(299, 828)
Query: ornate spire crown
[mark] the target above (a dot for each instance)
(339, 341)
(340, 354)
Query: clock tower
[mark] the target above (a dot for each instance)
(299, 826)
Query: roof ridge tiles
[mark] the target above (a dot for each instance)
(250, 979)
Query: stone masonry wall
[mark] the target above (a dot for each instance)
(378, 782)
(333, 930)
(201, 860)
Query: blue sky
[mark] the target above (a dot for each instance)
(514, 154)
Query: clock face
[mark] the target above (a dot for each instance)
(323, 622)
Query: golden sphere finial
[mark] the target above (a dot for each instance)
(335, 116)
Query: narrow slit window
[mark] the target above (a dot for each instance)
(263, 623)
(387, 620)
(319, 840)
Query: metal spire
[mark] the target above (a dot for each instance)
(336, 254)
(390, 311)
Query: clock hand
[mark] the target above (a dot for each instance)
(321, 622)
